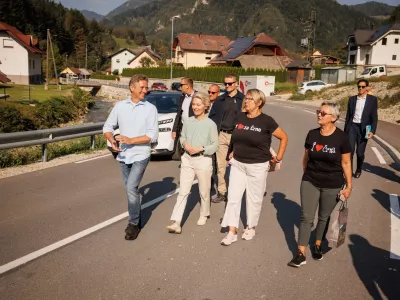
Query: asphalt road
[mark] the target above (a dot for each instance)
(41, 208)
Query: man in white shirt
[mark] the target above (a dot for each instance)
(185, 110)
(361, 122)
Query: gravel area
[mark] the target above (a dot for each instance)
(14, 171)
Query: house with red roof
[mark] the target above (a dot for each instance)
(20, 56)
(197, 50)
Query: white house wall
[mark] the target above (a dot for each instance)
(383, 53)
(193, 58)
(14, 61)
(120, 61)
(136, 63)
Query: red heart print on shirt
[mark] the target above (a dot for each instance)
(319, 147)
(240, 126)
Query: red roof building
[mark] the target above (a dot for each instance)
(20, 56)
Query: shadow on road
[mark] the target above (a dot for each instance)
(288, 215)
(381, 172)
(383, 199)
(152, 191)
(378, 272)
(193, 199)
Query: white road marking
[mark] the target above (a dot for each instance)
(309, 111)
(379, 155)
(89, 159)
(288, 106)
(395, 227)
(29, 257)
(389, 146)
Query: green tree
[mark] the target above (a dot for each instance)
(146, 62)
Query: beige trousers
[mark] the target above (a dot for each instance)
(253, 179)
(201, 167)
(224, 140)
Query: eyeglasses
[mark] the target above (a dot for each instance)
(248, 99)
(229, 83)
(212, 93)
(323, 114)
(361, 87)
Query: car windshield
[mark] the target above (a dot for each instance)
(165, 103)
(366, 71)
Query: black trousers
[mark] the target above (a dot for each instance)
(358, 144)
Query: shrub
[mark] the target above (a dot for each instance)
(104, 77)
(389, 101)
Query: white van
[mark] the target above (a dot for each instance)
(376, 71)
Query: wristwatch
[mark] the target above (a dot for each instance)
(347, 188)
(278, 160)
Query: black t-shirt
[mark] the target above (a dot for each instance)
(229, 113)
(324, 167)
(251, 138)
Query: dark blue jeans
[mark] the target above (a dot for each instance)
(357, 140)
(132, 174)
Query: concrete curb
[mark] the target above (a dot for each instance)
(388, 148)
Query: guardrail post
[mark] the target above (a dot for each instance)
(92, 142)
(44, 152)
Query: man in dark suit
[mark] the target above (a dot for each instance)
(361, 122)
(185, 111)
(223, 113)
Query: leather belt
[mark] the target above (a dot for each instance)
(227, 131)
(194, 155)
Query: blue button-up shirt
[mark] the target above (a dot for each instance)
(134, 120)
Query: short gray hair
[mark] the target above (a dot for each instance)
(333, 107)
(205, 99)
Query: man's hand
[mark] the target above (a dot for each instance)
(115, 147)
(344, 194)
(370, 135)
(173, 135)
(124, 139)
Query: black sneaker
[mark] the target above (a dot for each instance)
(298, 260)
(219, 198)
(317, 253)
(132, 232)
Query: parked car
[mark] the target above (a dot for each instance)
(167, 106)
(377, 71)
(159, 86)
(176, 86)
(312, 86)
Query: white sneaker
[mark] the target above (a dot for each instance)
(174, 228)
(202, 221)
(229, 239)
(248, 234)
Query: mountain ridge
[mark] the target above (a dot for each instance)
(91, 15)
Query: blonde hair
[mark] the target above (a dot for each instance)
(205, 99)
(257, 96)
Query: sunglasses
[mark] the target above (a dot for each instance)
(323, 114)
(229, 83)
(248, 99)
(361, 86)
(182, 84)
(212, 93)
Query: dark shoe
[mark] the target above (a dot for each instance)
(298, 260)
(220, 198)
(317, 253)
(131, 232)
(357, 174)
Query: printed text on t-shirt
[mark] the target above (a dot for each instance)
(325, 148)
(252, 128)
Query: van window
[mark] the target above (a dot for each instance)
(366, 71)
(381, 70)
(374, 70)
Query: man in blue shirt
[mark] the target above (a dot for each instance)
(137, 120)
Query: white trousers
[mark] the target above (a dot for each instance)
(201, 167)
(253, 179)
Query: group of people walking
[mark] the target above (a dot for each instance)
(215, 132)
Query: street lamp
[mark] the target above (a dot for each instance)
(172, 39)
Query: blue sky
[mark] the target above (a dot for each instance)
(105, 6)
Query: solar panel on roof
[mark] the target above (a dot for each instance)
(239, 46)
(381, 31)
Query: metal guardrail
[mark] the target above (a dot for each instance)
(47, 136)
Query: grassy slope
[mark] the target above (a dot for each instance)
(123, 44)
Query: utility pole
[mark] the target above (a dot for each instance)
(309, 39)
(46, 85)
(172, 40)
(50, 48)
(86, 58)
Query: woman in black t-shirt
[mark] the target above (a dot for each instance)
(249, 156)
(326, 159)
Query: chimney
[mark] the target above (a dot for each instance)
(200, 35)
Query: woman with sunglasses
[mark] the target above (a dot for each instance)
(199, 138)
(249, 157)
(327, 166)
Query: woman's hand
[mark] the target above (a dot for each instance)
(344, 194)
(187, 147)
(231, 155)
